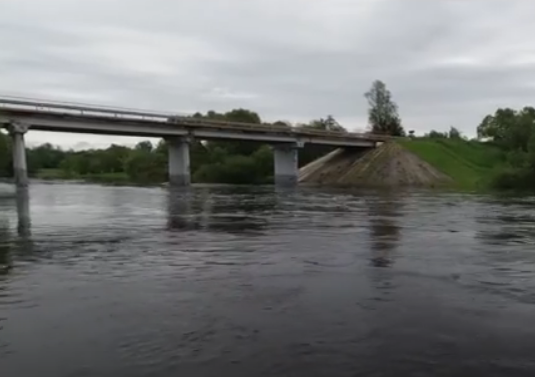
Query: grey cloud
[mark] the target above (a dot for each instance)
(446, 62)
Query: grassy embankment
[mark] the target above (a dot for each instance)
(471, 164)
(109, 178)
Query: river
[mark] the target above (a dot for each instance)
(213, 281)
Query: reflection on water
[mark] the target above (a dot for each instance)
(201, 209)
(5, 248)
(23, 213)
(383, 213)
(208, 281)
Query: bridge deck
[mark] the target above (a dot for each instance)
(69, 117)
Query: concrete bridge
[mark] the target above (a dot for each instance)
(21, 115)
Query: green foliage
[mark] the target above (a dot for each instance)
(110, 178)
(436, 135)
(509, 128)
(325, 124)
(241, 147)
(517, 159)
(383, 112)
(146, 166)
(51, 174)
(508, 178)
(514, 132)
(505, 162)
(144, 146)
(454, 133)
(45, 156)
(237, 169)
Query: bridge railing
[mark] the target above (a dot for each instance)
(8, 103)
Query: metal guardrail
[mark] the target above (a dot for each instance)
(77, 109)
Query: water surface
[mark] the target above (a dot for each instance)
(212, 281)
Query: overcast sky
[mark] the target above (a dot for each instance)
(445, 62)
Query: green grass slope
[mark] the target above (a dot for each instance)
(470, 164)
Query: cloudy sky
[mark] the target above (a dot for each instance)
(446, 62)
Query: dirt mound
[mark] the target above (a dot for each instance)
(388, 165)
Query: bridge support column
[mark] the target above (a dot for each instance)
(179, 170)
(286, 168)
(20, 168)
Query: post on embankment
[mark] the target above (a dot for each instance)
(179, 161)
(286, 164)
(20, 167)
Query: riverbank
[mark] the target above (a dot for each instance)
(423, 162)
(107, 178)
(470, 164)
(420, 162)
(123, 179)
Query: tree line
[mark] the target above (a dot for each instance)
(238, 162)
(514, 132)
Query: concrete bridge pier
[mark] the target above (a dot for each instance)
(20, 167)
(286, 168)
(179, 163)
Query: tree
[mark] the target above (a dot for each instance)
(454, 133)
(243, 115)
(513, 131)
(383, 112)
(114, 158)
(45, 156)
(433, 134)
(332, 124)
(245, 148)
(282, 123)
(509, 128)
(144, 146)
(325, 124)
(496, 126)
(145, 166)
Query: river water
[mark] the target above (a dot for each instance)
(213, 281)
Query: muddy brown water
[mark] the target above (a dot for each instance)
(213, 281)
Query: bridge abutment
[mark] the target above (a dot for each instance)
(179, 161)
(20, 167)
(286, 167)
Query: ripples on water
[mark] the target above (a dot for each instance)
(212, 281)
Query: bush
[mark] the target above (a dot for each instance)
(235, 169)
(238, 169)
(521, 179)
(517, 158)
(145, 166)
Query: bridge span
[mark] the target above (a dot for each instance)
(21, 115)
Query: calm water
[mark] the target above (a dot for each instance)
(241, 282)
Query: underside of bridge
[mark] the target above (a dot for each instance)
(285, 163)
